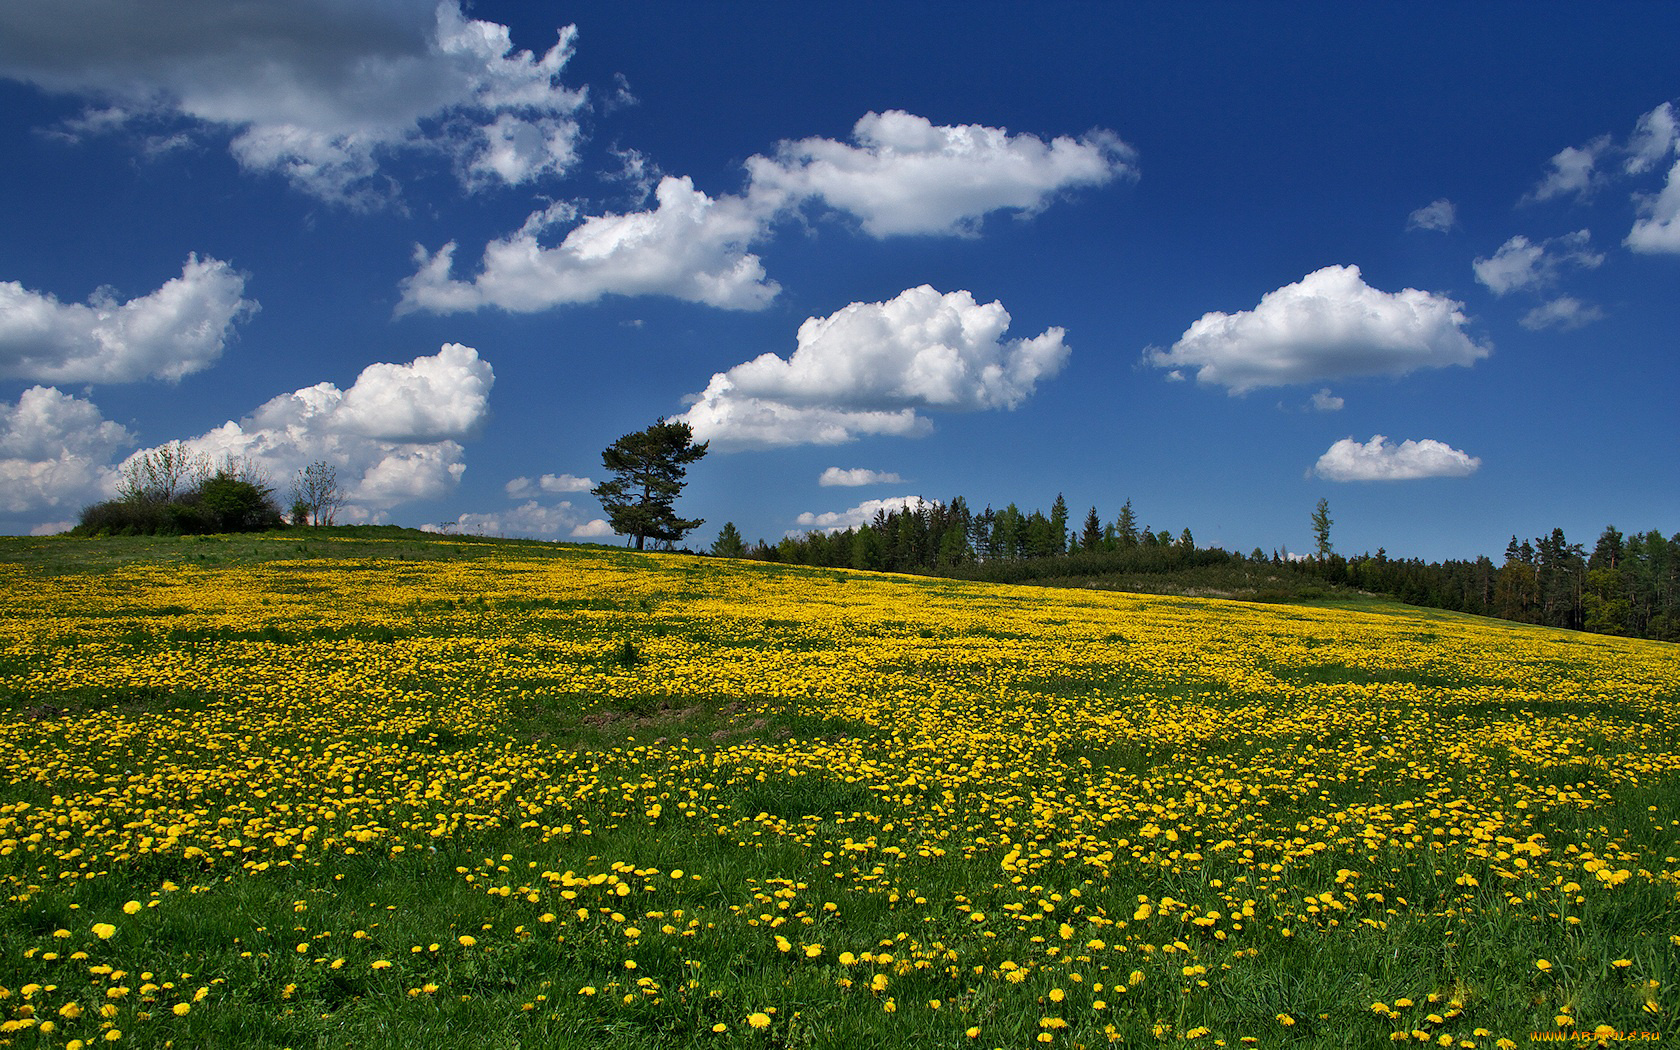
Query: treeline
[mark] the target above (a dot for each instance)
(931, 537)
(1628, 585)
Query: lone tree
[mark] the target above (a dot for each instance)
(649, 465)
(729, 543)
(1321, 522)
(316, 497)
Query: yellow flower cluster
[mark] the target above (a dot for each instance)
(1105, 805)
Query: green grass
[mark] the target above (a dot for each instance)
(969, 725)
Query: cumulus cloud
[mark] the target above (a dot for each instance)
(1658, 226)
(530, 520)
(317, 91)
(394, 435)
(520, 488)
(1328, 325)
(1325, 401)
(1563, 312)
(852, 517)
(1521, 264)
(1655, 135)
(856, 476)
(690, 247)
(56, 452)
(903, 174)
(595, 528)
(1436, 215)
(1377, 460)
(1573, 171)
(179, 329)
(869, 367)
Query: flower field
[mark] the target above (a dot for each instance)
(329, 794)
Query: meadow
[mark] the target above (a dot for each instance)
(382, 791)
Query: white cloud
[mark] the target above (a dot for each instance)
(1654, 137)
(1521, 264)
(1325, 401)
(868, 368)
(393, 435)
(179, 329)
(55, 452)
(732, 423)
(690, 247)
(1658, 227)
(1437, 215)
(852, 517)
(1328, 325)
(856, 476)
(530, 520)
(1563, 312)
(317, 91)
(1574, 170)
(1377, 460)
(904, 174)
(428, 399)
(520, 488)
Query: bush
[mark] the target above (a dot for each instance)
(222, 503)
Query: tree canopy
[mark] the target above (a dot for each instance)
(649, 468)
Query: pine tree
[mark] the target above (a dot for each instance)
(729, 543)
(1125, 527)
(1091, 536)
(650, 465)
(1321, 522)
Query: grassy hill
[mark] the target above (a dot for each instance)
(376, 787)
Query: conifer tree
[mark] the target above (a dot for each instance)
(650, 465)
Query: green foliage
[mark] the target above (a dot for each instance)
(158, 500)
(1321, 522)
(729, 543)
(649, 466)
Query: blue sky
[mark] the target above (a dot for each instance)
(1220, 260)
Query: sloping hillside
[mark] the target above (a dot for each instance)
(389, 788)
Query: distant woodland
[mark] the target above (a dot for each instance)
(1626, 585)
